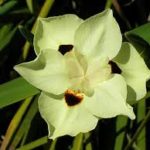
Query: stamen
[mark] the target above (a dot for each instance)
(115, 68)
(63, 49)
(73, 98)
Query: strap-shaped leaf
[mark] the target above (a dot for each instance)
(6, 34)
(26, 33)
(140, 38)
(30, 5)
(7, 6)
(15, 91)
(141, 32)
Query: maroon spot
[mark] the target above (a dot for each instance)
(63, 49)
(73, 98)
(115, 68)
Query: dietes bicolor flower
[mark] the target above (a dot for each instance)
(84, 71)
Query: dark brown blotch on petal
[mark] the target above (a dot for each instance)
(73, 98)
(115, 68)
(63, 49)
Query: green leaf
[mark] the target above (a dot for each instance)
(87, 141)
(138, 131)
(140, 38)
(14, 91)
(108, 4)
(7, 6)
(120, 129)
(25, 125)
(27, 34)
(141, 32)
(30, 5)
(15, 123)
(141, 110)
(6, 33)
(1, 2)
(34, 144)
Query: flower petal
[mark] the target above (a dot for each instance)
(74, 68)
(98, 35)
(98, 71)
(109, 99)
(52, 32)
(47, 72)
(134, 69)
(65, 120)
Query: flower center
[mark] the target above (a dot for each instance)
(63, 49)
(73, 98)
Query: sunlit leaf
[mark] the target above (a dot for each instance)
(30, 5)
(15, 123)
(25, 124)
(78, 142)
(1, 2)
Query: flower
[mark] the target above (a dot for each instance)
(83, 72)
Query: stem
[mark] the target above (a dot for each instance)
(53, 144)
(77, 143)
(108, 4)
(43, 13)
(120, 12)
(138, 131)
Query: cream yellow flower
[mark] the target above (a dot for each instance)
(83, 72)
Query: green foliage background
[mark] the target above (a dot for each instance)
(21, 126)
